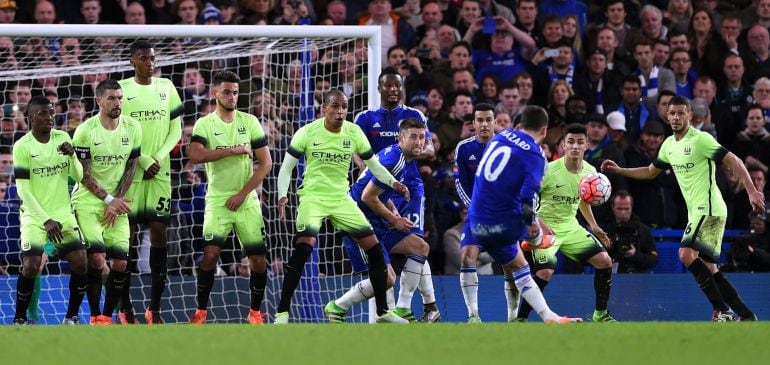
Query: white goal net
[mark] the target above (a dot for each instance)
(284, 71)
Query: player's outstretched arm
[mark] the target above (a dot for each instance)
(756, 197)
(382, 174)
(639, 173)
(588, 214)
(261, 170)
(200, 154)
(371, 197)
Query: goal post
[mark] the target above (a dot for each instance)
(282, 68)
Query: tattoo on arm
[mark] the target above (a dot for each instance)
(128, 177)
(89, 181)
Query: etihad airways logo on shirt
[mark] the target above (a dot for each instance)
(52, 170)
(332, 157)
(682, 167)
(562, 199)
(233, 146)
(149, 115)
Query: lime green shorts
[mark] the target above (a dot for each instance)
(247, 222)
(704, 235)
(101, 239)
(34, 238)
(343, 214)
(150, 200)
(577, 244)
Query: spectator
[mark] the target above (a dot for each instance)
(411, 12)
(470, 11)
(526, 19)
(761, 96)
(8, 54)
(501, 58)
(159, 12)
(615, 13)
(210, 15)
(552, 32)
(652, 27)
(678, 14)
(337, 11)
(509, 101)
(572, 34)
(633, 110)
(757, 57)
(562, 8)
(91, 11)
(194, 90)
(576, 109)
(495, 9)
(561, 66)
(436, 110)
(228, 9)
(395, 29)
(752, 252)
(76, 113)
(661, 51)
(684, 75)
(617, 122)
(662, 111)
(70, 52)
(752, 144)
(725, 128)
(6, 166)
(447, 36)
(45, 12)
(633, 249)
(7, 11)
(8, 132)
(449, 129)
(618, 59)
(742, 207)
(599, 86)
(135, 14)
(735, 93)
(459, 58)
(490, 89)
(651, 77)
(701, 117)
(502, 121)
(463, 80)
(663, 205)
(600, 147)
(557, 112)
(708, 59)
(524, 81)
(186, 11)
(260, 77)
(293, 11)
(431, 21)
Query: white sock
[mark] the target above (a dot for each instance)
(410, 277)
(512, 299)
(390, 296)
(361, 291)
(469, 283)
(426, 285)
(531, 293)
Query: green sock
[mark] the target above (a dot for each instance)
(34, 302)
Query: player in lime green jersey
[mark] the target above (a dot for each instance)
(558, 204)
(107, 145)
(155, 103)
(328, 145)
(43, 160)
(226, 140)
(693, 157)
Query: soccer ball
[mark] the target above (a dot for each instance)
(595, 189)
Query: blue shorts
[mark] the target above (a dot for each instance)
(500, 240)
(413, 210)
(467, 238)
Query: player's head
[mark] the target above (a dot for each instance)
(534, 121)
(411, 137)
(391, 87)
(109, 96)
(679, 114)
(142, 58)
(224, 88)
(484, 121)
(335, 108)
(575, 141)
(40, 112)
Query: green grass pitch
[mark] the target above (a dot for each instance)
(484, 344)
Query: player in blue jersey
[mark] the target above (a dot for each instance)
(502, 203)
(398, 234)
(381, 127)
(467, 157)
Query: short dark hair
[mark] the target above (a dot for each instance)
(483, 107)
(622, 193)
(575, 97)
(387, 71)
(463, 44)
(139, 45)
(461, 93)
(754, 106)
(37, 101)
(332, 93)
(663, 93)
(224, 76)
(632, 79)
(109, 84)
(575, 128)
(533, 118)
(680, 100)
(409, 123)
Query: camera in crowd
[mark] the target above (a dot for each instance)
(626, 236)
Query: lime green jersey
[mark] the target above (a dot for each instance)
(694, 160)
(558, 199)
(107, 153)
(45, 172)
(227, 176)
(327, 158)
(158, 109)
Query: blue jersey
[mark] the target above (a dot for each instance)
(510, 172)
(381, 126)
(405, 172)
(467, 157)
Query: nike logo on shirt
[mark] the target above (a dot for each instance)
(98, 143)
(131, 98)
(559, 185)
(217, 133)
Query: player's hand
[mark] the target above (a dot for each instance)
(402, 224)
(120, 205)
(152, 171)
(66, 149)
(757, 200)
(609, 166)
(53, 228)
(246, 150)
(401, 189)
(602, 236)
(108, 218)
(235, 201)
(282, 208)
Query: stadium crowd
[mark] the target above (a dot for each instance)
(612, 65)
